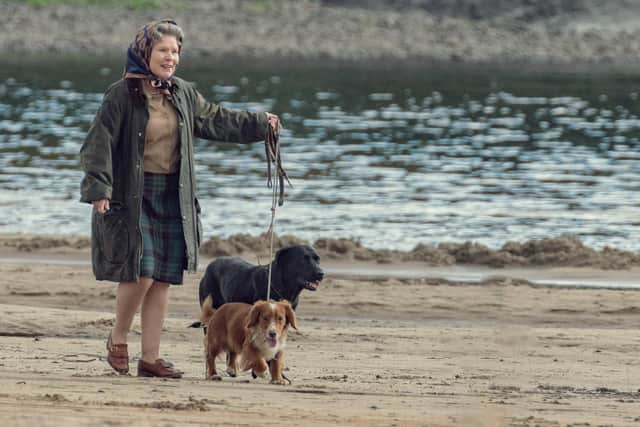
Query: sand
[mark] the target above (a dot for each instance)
(373, 349)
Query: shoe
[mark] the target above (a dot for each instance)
(160, 368)
(117, 356)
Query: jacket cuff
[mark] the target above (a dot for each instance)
(92, 190)
(262, 125)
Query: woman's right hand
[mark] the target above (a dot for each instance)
(274, 121)
(101, 205)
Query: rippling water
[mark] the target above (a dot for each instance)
(390, 158)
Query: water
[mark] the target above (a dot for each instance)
(392, 159)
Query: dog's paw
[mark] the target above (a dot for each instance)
(262, 374)
(232, 372)
(215, 378)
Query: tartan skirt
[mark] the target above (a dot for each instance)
(163, 248)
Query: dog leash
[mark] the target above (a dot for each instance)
(272, 149)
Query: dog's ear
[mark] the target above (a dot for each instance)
(254, 315)
(290, 315)
(279, 263)
(280, 254)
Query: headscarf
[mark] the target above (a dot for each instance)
(139, 54)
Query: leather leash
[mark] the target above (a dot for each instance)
(272, 149)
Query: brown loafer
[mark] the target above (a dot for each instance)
(117, 356)
(160, 368)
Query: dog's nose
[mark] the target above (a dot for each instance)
(320, 275)
(272, 334)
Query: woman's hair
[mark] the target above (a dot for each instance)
(166, 27)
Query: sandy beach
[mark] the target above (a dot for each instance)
(372, 349)
(540, 333)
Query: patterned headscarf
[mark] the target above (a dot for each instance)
(139, 54)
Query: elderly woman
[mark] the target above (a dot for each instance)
(139, 175)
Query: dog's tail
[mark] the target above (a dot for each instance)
(206, 312)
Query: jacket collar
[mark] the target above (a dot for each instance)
(134, 86)
(134, 89)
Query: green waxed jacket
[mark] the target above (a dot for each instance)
(112, 159)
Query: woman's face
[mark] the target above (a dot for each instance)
(165, 57)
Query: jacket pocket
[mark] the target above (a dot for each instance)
(199, 231)
(113, 233)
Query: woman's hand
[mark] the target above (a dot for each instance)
(274, 121)
(101, 205)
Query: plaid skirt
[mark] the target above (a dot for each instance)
(163, 248)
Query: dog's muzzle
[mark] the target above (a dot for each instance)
(314, 284)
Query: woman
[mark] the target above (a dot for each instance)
(139, 176)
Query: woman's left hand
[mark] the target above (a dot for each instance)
(274, 121)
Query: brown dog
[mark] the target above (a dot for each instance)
(252, 336)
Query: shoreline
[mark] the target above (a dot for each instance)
(308, 32)
(468, 275)
(561, 263)
(564, 251)
(531, 68)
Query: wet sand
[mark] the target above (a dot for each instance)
(371, 350)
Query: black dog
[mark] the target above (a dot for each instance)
(231, 279)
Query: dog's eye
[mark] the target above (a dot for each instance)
(280, 318)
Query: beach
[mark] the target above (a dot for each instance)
(372, 349)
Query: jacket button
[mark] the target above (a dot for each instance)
(181, 124)
(184, 217)
(140, 134)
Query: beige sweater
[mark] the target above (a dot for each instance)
(161, 146)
